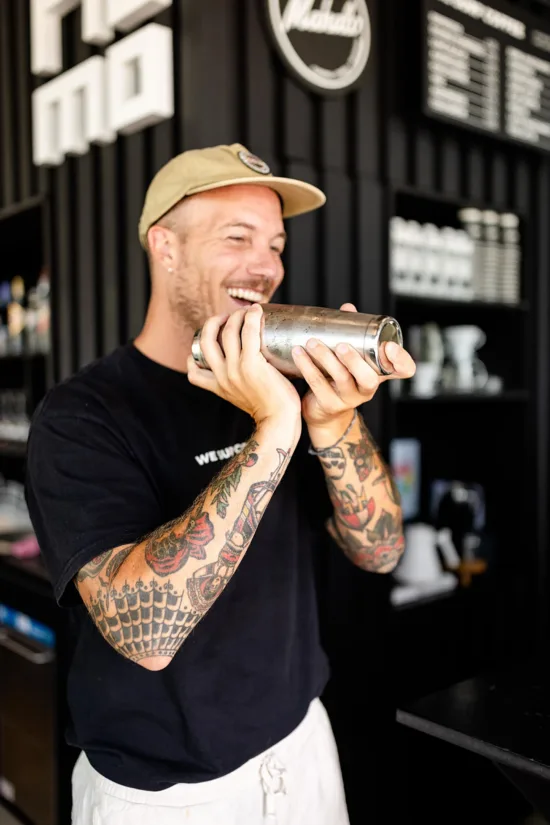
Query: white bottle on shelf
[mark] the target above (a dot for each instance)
(451, 264)
(466, 258)
(432, 281)
(491, 256)
(470, 217)
(416, 259)
(510, 260)
(399, 274)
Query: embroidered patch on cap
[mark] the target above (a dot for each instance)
(254, 163)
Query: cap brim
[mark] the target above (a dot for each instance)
(298, 196)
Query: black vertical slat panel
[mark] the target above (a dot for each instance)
(111, 233)
(8, 165)
(475, 168)
(372, 232)
(541, 213)
(334, 134)
(522, 192)
(299, 122)
(450, 167)
(84, 166)
(260, 127)
(86, 257)
(187, 15)
(499, 180)
(337, 217)
(26, 170)
(48, 259)
(302, 260)
(135, 272)
(218, 87)
(367, 107)
(64, 244)
(162, 145)
(425, 159)
(397, 155)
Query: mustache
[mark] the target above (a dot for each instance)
(264, 285)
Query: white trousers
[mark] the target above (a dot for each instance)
(297, 782)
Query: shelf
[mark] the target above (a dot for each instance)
(13, 449)
(444, 303)
(22, 359)
(462, 398)
(448, 199)
(23, 206)
(422, 601)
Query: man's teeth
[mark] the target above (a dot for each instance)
(245, 294)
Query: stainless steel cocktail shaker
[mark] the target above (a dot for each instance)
(286, 326)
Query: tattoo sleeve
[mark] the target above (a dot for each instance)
(367, 520)
(147, 597)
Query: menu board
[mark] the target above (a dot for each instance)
(488, 67)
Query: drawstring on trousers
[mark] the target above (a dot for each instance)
(272, 773)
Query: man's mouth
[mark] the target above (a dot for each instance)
(245, 297)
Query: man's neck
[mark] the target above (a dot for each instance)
(164, 341)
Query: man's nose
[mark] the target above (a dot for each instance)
(263, 262)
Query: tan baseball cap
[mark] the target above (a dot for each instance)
(200, 170)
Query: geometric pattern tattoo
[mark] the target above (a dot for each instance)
(147, 620)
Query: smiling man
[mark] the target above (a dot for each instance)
(195, 682)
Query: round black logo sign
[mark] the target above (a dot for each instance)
(326, 43)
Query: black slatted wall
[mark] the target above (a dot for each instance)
(18, 176)
(229, 87)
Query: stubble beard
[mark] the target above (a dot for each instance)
(187, 305)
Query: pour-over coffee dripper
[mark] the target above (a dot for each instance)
(466, 373)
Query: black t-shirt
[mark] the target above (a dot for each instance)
(119, 449)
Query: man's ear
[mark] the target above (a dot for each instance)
(163, 247)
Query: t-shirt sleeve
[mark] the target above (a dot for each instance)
(86, 493)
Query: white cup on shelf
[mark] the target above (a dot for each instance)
(425, 380)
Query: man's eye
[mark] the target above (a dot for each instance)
(237, 238)
(277, 250)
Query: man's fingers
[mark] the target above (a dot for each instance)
(231, 336)
(338, 372)
(402, 363)
(252, 331)
(325, 394)
(209, 342)
(364, 377)
(201, 377)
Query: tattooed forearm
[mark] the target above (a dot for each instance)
(363, 452)
(195, 556)
(334, 463)
(386, 478)
(366, 522)
(208, 582)
(228, 480)
(168, 549)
